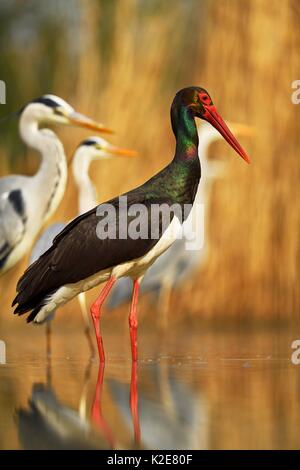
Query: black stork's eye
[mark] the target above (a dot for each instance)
(204, 98)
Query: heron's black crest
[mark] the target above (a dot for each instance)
(46, 101)
(87, 142)
(43, 100)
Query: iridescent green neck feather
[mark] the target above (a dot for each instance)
(178, 181)
(185, 130)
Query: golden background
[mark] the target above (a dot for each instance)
(121, 62)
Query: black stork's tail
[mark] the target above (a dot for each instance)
(35, 287)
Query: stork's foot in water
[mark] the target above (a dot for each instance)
(96, 314)
(133, 322)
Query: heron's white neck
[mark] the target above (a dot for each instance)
(210, 171)
(87, 195)
(49, 183)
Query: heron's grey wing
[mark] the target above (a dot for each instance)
(121, 293)
(12, 222)
(166, 266)
(45, 240)
(172, 267)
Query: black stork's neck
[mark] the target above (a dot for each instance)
(178, 181)
(185, 130)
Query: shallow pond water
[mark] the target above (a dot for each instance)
(191, 389)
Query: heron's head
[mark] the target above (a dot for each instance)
(50, 109)
(97, 148)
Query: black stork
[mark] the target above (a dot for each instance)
(79, 259)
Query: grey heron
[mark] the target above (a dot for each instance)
(91, 149)
(27, 202)
(178, 263)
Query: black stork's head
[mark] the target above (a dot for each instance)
(198, 100)
(51, 109)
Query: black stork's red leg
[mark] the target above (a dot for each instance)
(134, 403)
(96, 314)
(97, 417)
(133, 321)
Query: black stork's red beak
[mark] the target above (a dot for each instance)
(213, 117)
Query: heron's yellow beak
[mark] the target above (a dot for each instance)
(119, 152)
(80, 120)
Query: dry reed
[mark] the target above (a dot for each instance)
(245, 53)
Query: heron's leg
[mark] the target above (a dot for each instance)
(82, 407)
(134, 403)
(48, 338)
(86, 321)
(96, 313)
(164, 301)
(48, 354)
(133, 322)
(97, 417)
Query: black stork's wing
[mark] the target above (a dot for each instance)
(78, 252)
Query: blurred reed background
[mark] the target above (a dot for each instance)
(121, 61)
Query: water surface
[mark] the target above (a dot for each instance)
(191, 389)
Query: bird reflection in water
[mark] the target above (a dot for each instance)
(171, 415)
(166, 414)
(49, 424)
(97, 416)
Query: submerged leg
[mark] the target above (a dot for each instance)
(86, 320)
(134, 403)
(96, 313)
(133, 323)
